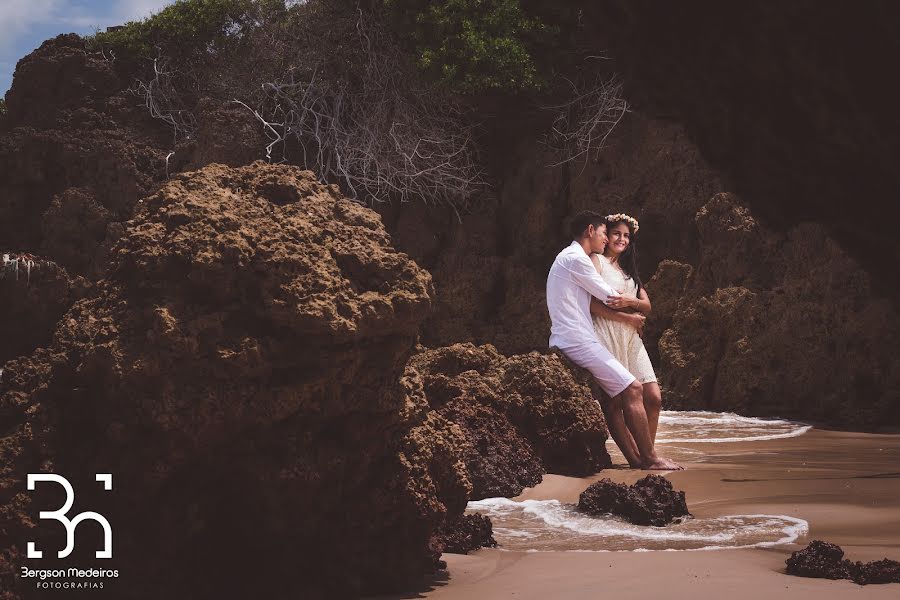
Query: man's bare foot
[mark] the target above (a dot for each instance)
(662, 464)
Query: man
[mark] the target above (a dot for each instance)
(570, 284)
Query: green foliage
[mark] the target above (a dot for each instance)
(187, 27)
(473, 45)
(2, 106)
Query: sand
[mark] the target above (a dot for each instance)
(846, 485)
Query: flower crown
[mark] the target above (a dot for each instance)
(623, 217)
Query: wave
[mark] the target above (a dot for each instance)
(550, 525)
(714, 427)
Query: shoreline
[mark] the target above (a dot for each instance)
(846, 485)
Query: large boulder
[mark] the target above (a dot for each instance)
(240, 372)
(521, 415)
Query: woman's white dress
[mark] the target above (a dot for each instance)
(620, 338)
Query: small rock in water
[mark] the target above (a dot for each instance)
(470, 532)
(650, 501)
(821, 559)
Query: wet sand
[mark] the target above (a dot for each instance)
(846, 485)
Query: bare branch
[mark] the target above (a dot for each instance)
(583, 124)
(382, 137)
(164, 102)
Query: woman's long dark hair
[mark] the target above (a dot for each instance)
(628, 259)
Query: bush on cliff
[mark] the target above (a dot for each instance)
(189, 26)
(472, 45)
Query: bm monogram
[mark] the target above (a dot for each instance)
(70, 525)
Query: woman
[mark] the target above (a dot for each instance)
(619, 324)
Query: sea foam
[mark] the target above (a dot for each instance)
(713, 427)
(550, 525)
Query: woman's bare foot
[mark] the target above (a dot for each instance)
(662, 464)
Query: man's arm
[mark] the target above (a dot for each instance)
(635, 320)
(586, 276)
(601, 310)
(640, 304)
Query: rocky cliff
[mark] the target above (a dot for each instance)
(769, 323)
(240, 369)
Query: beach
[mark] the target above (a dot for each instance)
(844, 485)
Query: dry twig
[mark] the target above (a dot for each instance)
(163, 100)
(583, 124)
(382, 138)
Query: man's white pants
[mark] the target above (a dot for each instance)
(612, 376)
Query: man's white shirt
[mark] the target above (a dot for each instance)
(570, 284)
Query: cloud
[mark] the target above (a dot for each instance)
(18, 16)
(131, 10)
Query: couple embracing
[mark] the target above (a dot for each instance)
(597, 306)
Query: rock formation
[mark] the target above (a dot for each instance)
(82, 149)
(824, 560)
(521, 415)
(80, 153)
(240, 371)
(771, 324)
(36, 292)
(469, 533)
(650, 501)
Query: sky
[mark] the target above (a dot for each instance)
(27, 23)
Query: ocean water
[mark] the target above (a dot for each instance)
(712, 427)
(551, 525)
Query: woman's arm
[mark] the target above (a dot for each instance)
(643, 302)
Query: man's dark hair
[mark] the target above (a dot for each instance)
(582, 220)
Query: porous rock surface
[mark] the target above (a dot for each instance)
(825, 560)
(521, 415)
(81, 150)
(470, 532)
(240, 372)
(650, 501)
(35, 292)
